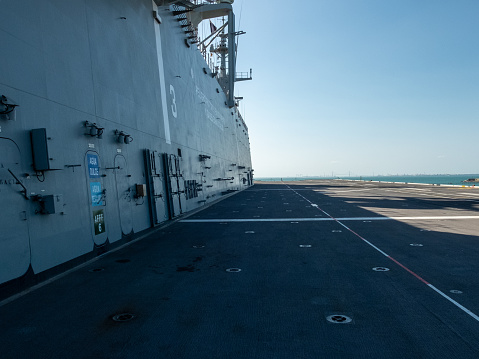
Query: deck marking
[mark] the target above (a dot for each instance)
(401, 265)
(312, 219)
(454, 302)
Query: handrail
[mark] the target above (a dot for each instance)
(20, 183)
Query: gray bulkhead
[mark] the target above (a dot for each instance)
(84, 158)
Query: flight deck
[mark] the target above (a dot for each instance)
(308, 269)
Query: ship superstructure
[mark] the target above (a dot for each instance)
(111, 123)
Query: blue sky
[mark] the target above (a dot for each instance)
(360, 86)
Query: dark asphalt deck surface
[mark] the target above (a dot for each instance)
(306, 251)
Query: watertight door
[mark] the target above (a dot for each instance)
(124, 193)
(14, 239)
(174, 184)
(155, 184)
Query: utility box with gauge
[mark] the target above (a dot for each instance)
(51, 204)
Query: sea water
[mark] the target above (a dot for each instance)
(444, 179)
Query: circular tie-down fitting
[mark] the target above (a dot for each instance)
(339, 319)
(380, 269)
(416, 245)
(123, 317)
(123, 260)
(233, 270)
(95, 270)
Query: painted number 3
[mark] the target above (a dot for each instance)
(174, 110)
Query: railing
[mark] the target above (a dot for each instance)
(243, 75)
(201, 2)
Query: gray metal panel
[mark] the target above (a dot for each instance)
(14, 242)
(77, 61)
(22, 64)
(125, 194)
(68, 77)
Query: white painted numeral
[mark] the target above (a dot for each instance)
(174, 110)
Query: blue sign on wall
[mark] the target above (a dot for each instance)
(93, 166)
(96, 194)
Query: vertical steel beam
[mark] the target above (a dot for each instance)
(231, 58)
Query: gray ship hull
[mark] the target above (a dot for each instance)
(111, 124)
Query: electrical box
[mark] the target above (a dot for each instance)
(41, 159)
(141, 190)
(51, 204)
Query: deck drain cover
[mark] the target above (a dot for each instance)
(305, 245)
(249, 232)
(339, 318)
(294, 222)
(233, 270)
(96, 270)
(336, 231)
(380, 269)
(416, 245)
(455, 291)
(199, 246)
(366, 221)
(122, 260)
(123, 317)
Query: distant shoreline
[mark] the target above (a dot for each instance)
(435, 180)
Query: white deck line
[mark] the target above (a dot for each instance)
(218, 220)
(470, 313)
